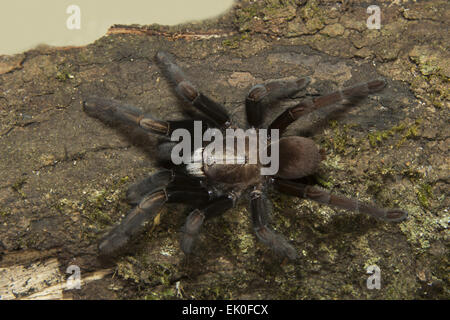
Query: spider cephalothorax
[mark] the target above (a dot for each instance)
(213, 186)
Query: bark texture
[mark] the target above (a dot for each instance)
(63, 175)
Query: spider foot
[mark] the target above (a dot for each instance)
(396, 215)
(261, 96)
(191, 229)
(277, 243)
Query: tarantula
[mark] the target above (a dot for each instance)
(214, 187)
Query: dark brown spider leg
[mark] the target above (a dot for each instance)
(114, 112)
(159, 180)
(195, 219)
(165, 151)
(138, 190)
(347, 95)
(133, 223)
(322, 196)
(189, 92)
(147, 209)
(260, 209)
(261, 96)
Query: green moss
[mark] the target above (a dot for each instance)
(313, 16)
(5, 213)
(424, 194)
(64, 74)
(324, 182)
(427, 64)
(220, 289)
(98, 216)
(340, 140)
(141, 269)
(400, 288)
(165, 294)
(411, 132)
(126, 269)
(372, 261)
(431, 80)
(437, 99)
(311, 10)
(234, 42)
(412, 174)
(245, 16)
(284, 9)
(330, 252)
(229, 43)
(377, 137)
(420, 229)
(17, 187)
(407, 131)
(348, 289)
(280, 201)
(268, 12)
(99, 205)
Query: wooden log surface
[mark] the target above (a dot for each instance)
(63, 175)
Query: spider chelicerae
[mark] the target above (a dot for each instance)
(213, 187)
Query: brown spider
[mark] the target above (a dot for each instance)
(213, 187)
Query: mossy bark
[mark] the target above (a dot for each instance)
(64, 174)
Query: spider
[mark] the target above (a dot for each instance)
(212, 188)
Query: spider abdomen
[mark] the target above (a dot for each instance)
(299, 157)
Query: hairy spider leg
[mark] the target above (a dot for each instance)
(113, 112)
(176, 190)
(345, 96)
(138, 190)
(260, 209)
(261, 96)
(195, 219)
(157, 180)
(190, 93)
(309, 192)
